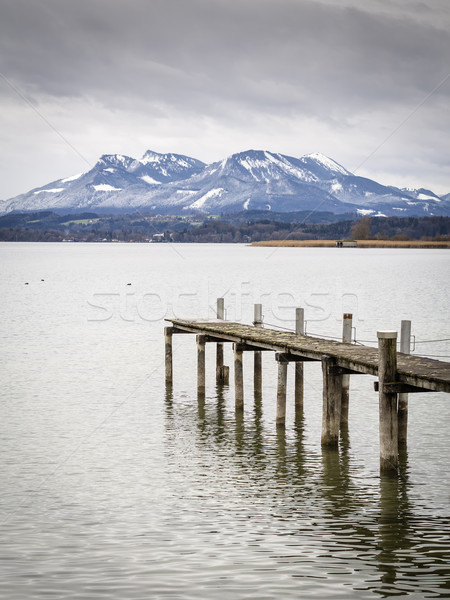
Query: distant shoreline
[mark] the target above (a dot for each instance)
(361, 244)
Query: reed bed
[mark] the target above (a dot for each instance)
(361, 244)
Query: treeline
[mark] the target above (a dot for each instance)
(383, 228)
(18, 234)
(232, 228)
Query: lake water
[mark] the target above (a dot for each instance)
(113, 488)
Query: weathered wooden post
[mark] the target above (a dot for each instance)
(168, 335)
(220, 313)
(405, 347)
(347, 338)
(257, 355)
(332, 396)
(298, 383)
(238, 377)
(281, 389)
(387, 371)
(224, 375)
(201, 364)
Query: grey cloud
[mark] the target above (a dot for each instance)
(351, 70)
(203, 54)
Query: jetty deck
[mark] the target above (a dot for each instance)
(424, 373)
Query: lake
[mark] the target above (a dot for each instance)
(112, 487)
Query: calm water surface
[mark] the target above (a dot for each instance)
(113, 487)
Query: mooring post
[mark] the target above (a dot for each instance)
(332, 396)
(387, 372)
(201, 364)
(220, 313)
(298, 390)
(405, 347)
(257, 355)
(238, 377)
(168, 335)
(347, 338)
(281, 389)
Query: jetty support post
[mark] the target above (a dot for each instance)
(238, 377)
(281, 389)
(387, 371)
(332, 396)
(201, 364)
(222, 372)
(168, 337)
(257, 355)
(347, 338)
(405, 347)
(298, 382)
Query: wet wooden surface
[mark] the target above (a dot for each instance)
(421, 372)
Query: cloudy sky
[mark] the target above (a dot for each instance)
(366, 82)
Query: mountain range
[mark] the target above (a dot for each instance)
(251, 180)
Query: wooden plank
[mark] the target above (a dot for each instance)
(294, 358)
(399, 388)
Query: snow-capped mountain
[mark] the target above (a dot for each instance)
(114, 182)
(251, 180)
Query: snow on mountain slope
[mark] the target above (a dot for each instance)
(262, 166)
(251, 180)
(322, 167)
(421, 194)
(157, 168)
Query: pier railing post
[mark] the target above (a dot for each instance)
(201, 364)
(332, 395)
(238, 377)
(299, 383)
(387, 371)
(257, 355)
(168, 336)
(347, 338)
(405, 347)
(281, 389)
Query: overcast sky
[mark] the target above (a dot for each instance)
(366, 82)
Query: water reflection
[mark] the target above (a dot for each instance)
(169, 402)
(395, 527)
(369, 531)
(201, 405)
(220, 410)
(258, 431)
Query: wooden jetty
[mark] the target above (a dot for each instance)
(399, 374)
